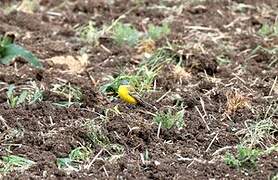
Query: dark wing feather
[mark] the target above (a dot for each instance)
(141, 101)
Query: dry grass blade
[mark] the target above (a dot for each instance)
(235, 101)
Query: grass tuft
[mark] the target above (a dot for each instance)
(96, 134)
(74, 159)
(170, 119)
(268, 30)
(12, 162)
(89, 33)
(125, 34)
(157, 32)
(261, 129)
(245, 157)
(14, 100)
(72, 93)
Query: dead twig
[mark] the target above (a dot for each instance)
(211, 142)
(94, 159)
(202, 117)
(4, 122)
(273, 85)
(218, 151)
(94, 82)
(158, 130)
(202, 28)
(163, 96)
(106, 49)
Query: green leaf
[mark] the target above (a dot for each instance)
(157, 32)
(179, 118)
(22, 97)
(63, 162)
(13, 51)
(231, 160)
(126, 33)
(79, 154)
(10, 91)
(17, 161)
(5, 41)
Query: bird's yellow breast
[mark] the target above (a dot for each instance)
(123, 92)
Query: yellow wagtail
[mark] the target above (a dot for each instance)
(128, 94)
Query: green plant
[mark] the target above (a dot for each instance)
(245, 157)
(223, 60)
(14, 100)
(75, 157)
(72, 93)
(125, 34)
(80, 154)
(272, 52)
(161, 57)
(114, 82)
(169, 119)
(66, 163)
(146, 77)
(142, 79)
(13, 162)
(10, 51)
(95, 133)
(261, 129)
(89, 33)
(35, 93)
(157, 32)
(275, 177)
(269, 30)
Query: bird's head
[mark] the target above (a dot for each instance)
(124, 82)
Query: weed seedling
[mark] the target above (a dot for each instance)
(269, 30)
(14, 100)
(263, 128)
(80, 154)
(170, 119)
(95, 133)
(66, 163)
(75, 157)
(157, 60)
(73, 94)
(223, 60)
(35, 93)
(10, 51)
(12, 162)
(89, 33)
(245, 157)
(157, 32)
(125, 34)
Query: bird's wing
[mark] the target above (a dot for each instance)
(141, 101)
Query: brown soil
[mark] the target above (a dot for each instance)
(45, 132)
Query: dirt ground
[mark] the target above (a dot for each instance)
(203, 32)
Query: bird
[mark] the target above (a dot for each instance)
(128, 94)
